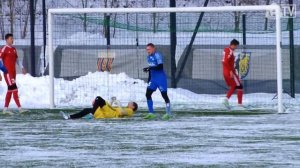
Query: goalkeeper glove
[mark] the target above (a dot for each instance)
(113, 99)
(147, 69)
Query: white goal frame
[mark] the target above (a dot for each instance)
(273, 8)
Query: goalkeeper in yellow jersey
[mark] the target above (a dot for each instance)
(102, 109)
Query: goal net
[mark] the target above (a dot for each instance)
(101, 52)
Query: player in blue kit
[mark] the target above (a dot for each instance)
(2, 68)
(157, 79)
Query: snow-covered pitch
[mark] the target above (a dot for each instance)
(43, 139)
(34, 94)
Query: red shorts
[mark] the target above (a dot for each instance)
(232, 82)
(10, 78)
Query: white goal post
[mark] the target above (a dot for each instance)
(275, 8)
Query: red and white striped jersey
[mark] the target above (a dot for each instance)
(9, 56)
(228, 59)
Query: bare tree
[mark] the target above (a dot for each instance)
(105, 20)
(237, 15)
(266, 19)
(127, 15)
(1, 21)
(154, 16)
(84, 5)
(27, 14)
(115, 4)
(22, 15)
(11, 5)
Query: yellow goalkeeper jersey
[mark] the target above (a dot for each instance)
(108, 111)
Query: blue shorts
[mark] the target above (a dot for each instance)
(160, 84)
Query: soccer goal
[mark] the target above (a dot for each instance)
(101, 51)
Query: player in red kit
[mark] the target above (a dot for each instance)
(231, 78)
(9, 56)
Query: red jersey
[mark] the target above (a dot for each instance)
(9, 56)
(228, 60)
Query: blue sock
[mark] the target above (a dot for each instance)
(168, 109)
(150, 106)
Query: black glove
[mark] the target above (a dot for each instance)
(147, 69)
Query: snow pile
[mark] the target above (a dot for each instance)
(34, 93)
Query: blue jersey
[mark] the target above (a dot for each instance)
(158, 78)
(2, 67)
(154, 60)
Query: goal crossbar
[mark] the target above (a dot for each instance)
(274, 7)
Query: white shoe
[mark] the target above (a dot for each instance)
(64, 115)
(22, 110)
(240, 107)
(226, 103)
(5, 111)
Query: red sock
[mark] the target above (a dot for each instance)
(230, 92)
(7, 98)
(16, 97)
(240, 96)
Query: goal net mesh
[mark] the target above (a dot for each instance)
(104, 54)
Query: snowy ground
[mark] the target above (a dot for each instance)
(34, 93)
(194, 137)
(43, 139)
